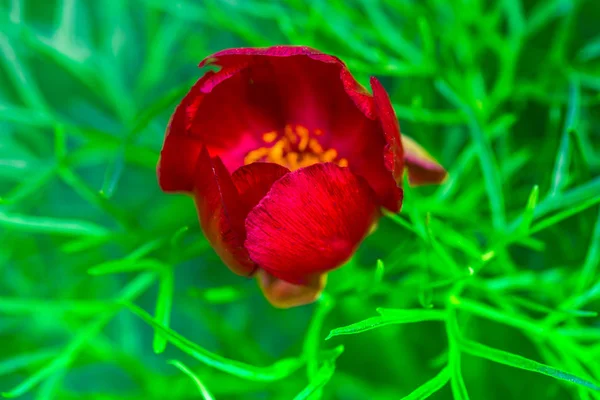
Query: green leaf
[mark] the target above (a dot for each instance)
(66, 356)
(164, 302)
(127, 265)
(388, 317)
(560, 176)
(527, 218)
(203, 390)
(274, 372)
(457, 382)
(430, 387)
(53, 226)
(517, 361)
(487, 161)
(323, 375)
(25, 360)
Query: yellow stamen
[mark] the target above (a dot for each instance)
(270, 137)
(294, 149)
(292, 160)
(289, 133)
(256, 155)
(315, 146)
(304, 138)
(329, 155)
(276, 152)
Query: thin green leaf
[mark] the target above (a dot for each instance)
(430, 387)
(274, 372)
(488, 312)
(487, 161)
(54, 226)
(517, 361)
(592, 259)
(164, 302)
(127, 265)
(25, 360)
(10, 305)
(560, 176)
(530, 208)
(69, 353)
(323, 375)
(457, 383)
(112, 174)
(388, 317)
(553, 220)
(203, 390)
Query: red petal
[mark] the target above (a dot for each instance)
(177, 164)
(221, 213)
(310, 222)
(357, 93)
(393, 153)
(282, 294)
(253, 181)
(422, 168)
(318, 91)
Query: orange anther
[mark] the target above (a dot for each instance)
(270, 137)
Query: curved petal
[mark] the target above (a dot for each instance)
(282, 294)
(221, 213)
(354, 90)
(310, 222)
(422, 168)
(318, 91)
(393, 152)
(176, 167)
(227, 111)
(253, 182)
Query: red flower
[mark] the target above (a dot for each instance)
(289, 161)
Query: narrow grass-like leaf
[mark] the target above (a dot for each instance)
(430, 387)
(570, 199)
(591, 50)
(29, 186)
(541, 308)
(592, 259)
(556, 218)
(560, 175)
(94, 197)
(126, 265)
(54, 226)
(457, 383)
(112, 174)
(389, 33)
(25, 360)
(68, 354)
(86, 243)
(274, 372)
(485, 153)
(9, 305)
(399, 220)
(320, 379)
(388, 317)
(203, 390)
(164, 303)
(527, 218)
(313, 336)
(517, 361)
(488, 312)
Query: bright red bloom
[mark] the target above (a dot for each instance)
(289, 160)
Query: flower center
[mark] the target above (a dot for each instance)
(297, 147)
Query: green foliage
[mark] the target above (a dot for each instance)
(487, 287)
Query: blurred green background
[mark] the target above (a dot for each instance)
(498, 268)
